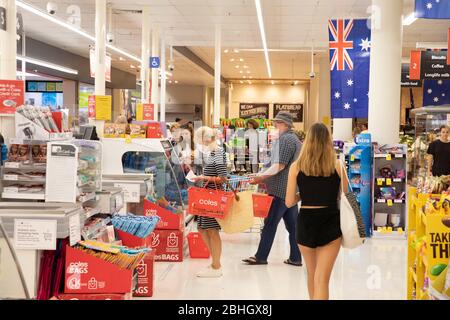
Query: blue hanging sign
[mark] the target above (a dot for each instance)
(155, 62)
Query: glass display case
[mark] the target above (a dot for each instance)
(427, 123)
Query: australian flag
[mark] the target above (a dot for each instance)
(436, 93)
(350, 41)
(432, 9)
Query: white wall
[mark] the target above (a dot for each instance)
(268, 94)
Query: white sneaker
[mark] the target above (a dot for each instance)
(209, 272)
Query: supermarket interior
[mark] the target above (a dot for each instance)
(115, 114)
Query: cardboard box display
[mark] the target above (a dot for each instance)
(168, 220)
(144, 271)
(132, 241)
(87, 274)
(168, 245)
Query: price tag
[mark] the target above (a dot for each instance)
(132, 192)
(10, 177)
(352, 157)
(400, 230)
(388, 157)
(12, 165)
(128, 139)
(35, 234)
(389, 202)
(389, 229)
(389, 182)
(380, 181)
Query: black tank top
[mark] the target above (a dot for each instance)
(319, 191)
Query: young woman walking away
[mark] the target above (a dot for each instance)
(317, 177)
(214, 173)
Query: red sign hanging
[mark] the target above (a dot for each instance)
(149, 111)
(91, 106)
(11, 95)
(414, 66)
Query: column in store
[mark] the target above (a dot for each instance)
(385, 71)
(324, 114)
(145, 55)
(8, 48)
(163, 80)
(217, 71)
(155, 81)
(100, 56)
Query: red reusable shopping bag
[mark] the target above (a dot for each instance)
(209, 203)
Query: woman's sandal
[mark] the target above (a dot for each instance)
(288, 261)
(252, 261)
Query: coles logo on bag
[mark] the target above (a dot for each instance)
(78, 268)
(208, 202)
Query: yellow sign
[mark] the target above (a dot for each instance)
(380, 181)
(326, 120)
(389, 182)
(389, 202)
(103, 106)
(128, 139)
(438, 250)
(140, 112)
(352, 157)
(388, 157)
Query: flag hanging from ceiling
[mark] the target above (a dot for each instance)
(350, 42)
(432, 9)
(436, 92)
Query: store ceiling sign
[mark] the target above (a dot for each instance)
(414, 65)
(12, 94)
(155, 62)
(434, 65)
(295, 109)
(254, 110)
(107, 65)
(2, 19)
(406, 81)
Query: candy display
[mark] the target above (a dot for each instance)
(434, 185)
(139, 226)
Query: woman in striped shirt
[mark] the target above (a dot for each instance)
(213, 160)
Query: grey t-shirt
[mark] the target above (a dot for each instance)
(285, 151)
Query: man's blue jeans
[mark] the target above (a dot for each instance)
(279, 211)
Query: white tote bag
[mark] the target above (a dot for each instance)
(352, 225)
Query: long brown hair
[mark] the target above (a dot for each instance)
(317, 157)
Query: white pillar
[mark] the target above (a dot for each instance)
(217, 71)
(8, 64)
(145, 57)
(342, 129)
(8, 44)
(163, 80)
(385, 72)
(324, 91)
(100, 47)
(155, 89)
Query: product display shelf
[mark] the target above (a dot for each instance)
(420, 281)
(389, 192)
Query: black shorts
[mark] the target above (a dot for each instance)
(318, 227)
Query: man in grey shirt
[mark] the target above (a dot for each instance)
(285, 150)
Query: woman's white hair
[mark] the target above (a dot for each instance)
(206, 133)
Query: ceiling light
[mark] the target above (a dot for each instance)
(241, 81)
(263, 35)
(249, 82)
(241, 59)
(232, 60)
(121, 59)
(296, 82)
(409, 19)
(168, 73)
(241, 71)
(27, 74)
(170, 81)
(132, 67)
(225, 51)
(273, 82)
(250, 77)
(245, 67)
(245, 77)
(70, 27)
(176, 81)
(47, 65)
(248, 71)
(236, 51)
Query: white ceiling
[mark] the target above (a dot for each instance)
(289, 24)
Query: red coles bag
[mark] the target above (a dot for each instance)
(209, 203)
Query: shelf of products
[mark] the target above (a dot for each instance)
(428, 246)
(389, 199)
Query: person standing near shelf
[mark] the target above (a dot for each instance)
(439, 154)
(316, 175)
(251, 140)
(285, 151)
(214, 165)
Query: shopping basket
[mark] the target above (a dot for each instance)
(209, 202)
(197, 247)
(261, 205)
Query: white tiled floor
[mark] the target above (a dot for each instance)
(377, 270)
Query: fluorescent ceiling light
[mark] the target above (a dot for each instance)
(27, 74)
(263, 35)
(409, 19)
(47, 65)
(70, 27)
(431, 45)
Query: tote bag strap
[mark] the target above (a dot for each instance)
(344, 172)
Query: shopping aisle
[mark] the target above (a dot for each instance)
(374, 271)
